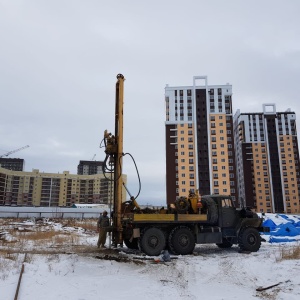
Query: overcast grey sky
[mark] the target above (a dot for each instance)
(59, 60)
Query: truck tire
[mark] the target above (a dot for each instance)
(225, 244)
(212, 210)
(152, 241)
(249, 239)
(131, 244)
(182, 205)
(181, 241)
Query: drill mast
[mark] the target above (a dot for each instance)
(114, 152)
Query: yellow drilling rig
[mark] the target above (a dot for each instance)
(179, 227)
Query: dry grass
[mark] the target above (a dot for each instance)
(287, 253)
(36, 236)
(9, 262)
(86, 224)
(42, 238)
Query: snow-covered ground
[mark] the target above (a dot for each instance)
(77, 270)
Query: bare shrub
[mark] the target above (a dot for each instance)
(5, 266)
(12, 256)
(61, 239)
(88, 224)
(29, 258)
(292, 252)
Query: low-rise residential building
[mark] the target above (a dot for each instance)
(54, 189)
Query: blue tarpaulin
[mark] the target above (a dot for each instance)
(287, 229)
(287, 218)
(284, 232)
(270, 223)
(274, 239)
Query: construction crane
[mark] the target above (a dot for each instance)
(13, 151)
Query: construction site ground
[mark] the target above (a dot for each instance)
(60, 260)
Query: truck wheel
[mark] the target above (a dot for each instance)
(131, 244)
(181, 240)
(152, 241)
(249, 239)
(225, 244)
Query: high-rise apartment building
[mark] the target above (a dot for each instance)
(15, 164)
(89, 167)
(267, 157)
(199, 139)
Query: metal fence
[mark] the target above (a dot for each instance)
(49, 212)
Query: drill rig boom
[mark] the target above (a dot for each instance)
(114, 152)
